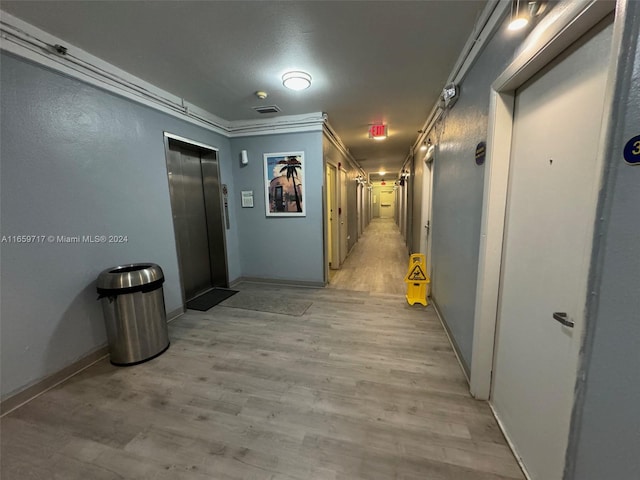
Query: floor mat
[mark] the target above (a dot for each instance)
(272, 304)
(210, 299)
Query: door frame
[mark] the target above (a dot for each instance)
(343, 210)
(557, 32)
(332, 234)
(204, 148)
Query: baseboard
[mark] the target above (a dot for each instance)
(454, 345)
(20, 398)
(174, 314)
(512, 447)
(289, 283)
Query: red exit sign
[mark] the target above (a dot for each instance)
(378, 130)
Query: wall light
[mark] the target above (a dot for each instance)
(522, 11)
(519, 15)
(296, 80)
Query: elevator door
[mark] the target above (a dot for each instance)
(197, 217)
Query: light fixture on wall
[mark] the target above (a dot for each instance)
(522, 11)
(428, 156)
(244, 157)
(296, 80)
(425, 145)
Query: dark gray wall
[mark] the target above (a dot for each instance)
(606, 426)
(457, 193)
(277, 248)
(76, 160)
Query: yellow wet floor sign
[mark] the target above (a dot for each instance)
(417, 280)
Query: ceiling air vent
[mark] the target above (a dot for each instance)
(267, 109)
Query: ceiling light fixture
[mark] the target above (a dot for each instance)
(296, 80)
(519, 15)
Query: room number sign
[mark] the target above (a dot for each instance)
(632, 151)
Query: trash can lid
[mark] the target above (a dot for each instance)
(131, 275)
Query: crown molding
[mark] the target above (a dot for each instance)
(26, 41)
(333, 137)
(308, 122)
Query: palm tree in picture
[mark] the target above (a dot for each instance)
(291, 166)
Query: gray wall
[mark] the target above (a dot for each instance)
(457, 193)
(606, 431)
(76, 160)
(278, 248)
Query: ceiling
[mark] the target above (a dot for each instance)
(371, 61)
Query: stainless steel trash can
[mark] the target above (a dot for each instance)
(134, 312)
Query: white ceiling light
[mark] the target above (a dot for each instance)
(296, 80)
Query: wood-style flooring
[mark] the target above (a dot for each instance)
(361, 386)
(377, 263)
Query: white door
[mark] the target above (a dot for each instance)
(387, 202)
(549, 224)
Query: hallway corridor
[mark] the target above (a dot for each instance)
(350, 383)
(377, 263)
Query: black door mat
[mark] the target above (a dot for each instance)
(210, 299)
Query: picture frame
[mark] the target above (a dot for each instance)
(284, 188)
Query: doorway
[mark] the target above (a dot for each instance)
(549, 222)
(387, 202)
(333, 248)
(342, 214)
(196, 204)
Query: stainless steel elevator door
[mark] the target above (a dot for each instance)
(197, 218)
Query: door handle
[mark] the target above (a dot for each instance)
(563, 319)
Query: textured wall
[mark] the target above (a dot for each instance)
(278, 248)
(606, 429)
(457, 193)
(76, 160)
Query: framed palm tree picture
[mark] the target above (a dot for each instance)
(284, 184)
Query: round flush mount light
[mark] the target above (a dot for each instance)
(296, 80)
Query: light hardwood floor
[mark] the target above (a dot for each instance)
(361, 386)
(377, 263)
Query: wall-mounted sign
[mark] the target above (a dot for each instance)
(247, 199)
(450, 94)
(378, 130)
(632, 151)
(481, 153)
